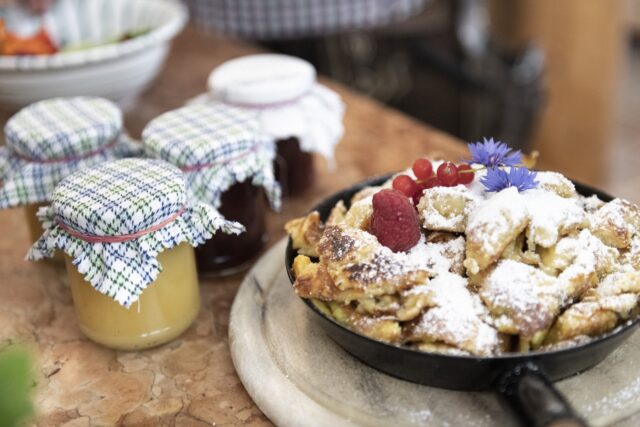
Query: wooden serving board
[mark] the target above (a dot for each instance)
(299, 377)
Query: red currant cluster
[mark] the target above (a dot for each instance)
(447, 175)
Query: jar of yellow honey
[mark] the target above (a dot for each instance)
(226, 164)
(127, 229)
(49, 140)
(302, 116)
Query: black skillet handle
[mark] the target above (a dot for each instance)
(535, 400)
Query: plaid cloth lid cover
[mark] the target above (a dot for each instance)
(282, 93)
(114, 219)
(216, 146)
(48, 140)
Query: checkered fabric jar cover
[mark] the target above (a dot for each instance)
(114, 219)
(289, 19)
(216, 146)
(49, 140)
(282, 93)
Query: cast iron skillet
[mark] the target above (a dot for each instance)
(522, 380)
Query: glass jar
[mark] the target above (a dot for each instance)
(128, 226)
(35, 228)
(226, 254)
(33, 224)
(49, 140)
(294, 168)
(164, 311)
(300, 115)
(228, 165)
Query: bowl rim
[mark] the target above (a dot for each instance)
(507, 357)
(60, 60)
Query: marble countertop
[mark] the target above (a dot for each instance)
(190, 381)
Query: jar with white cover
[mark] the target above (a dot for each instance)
(301, 115)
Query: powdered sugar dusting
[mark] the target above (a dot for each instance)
(496, 217)
(632, 257)
(528, 296)
(611, 404)
(590, 204)
(621, 304)
(384, 265)
(335, 244)
(456, 317)
(550, 215)
(359, 256)
(437, 258)
(591, 257)
(476, 188)
(555, 182)
(612, 213)
(446, 208)
(610, 285)
(616, 222)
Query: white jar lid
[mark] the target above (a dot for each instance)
(262, 80)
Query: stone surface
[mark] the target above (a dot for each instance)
(190, 381)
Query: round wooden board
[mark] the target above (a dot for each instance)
(299, 376)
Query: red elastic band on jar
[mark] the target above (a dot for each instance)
(91, 238)
(268, 104)
(195, 168)
(68, 159)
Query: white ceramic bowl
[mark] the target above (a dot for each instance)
(118, 70)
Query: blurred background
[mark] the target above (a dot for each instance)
(561, 77)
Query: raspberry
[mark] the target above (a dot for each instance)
(395, 221)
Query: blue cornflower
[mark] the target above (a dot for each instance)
(498, 179)
(494, 153)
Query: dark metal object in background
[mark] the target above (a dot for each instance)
(442, 67)
(523, 380)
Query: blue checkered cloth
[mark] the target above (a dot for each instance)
(216, 146)
(121, 198)
(61, 128)
(290, 19)
(51, 139)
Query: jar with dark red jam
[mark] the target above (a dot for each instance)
(294, 168)
(300, 115)
(227, 164)
(227, 253)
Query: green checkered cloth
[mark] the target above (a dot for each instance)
(119, 198)
(216, 146)
(49, 140)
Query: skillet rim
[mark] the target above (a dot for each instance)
(509, 357)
